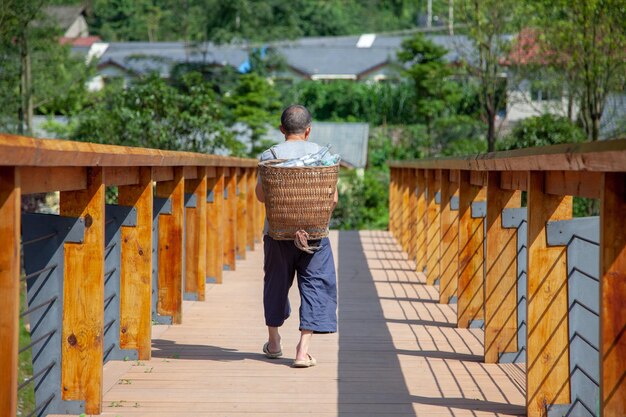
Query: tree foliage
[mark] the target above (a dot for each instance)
(151, 113)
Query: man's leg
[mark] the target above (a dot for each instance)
(302, 349)
(279, 273)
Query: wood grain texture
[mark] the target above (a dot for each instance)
(215, 227)
(449, 235)
(405, 230)
(136, 267)
(575, 183)
(412, 249)
(83, 296)
(10, 217)
(195, 235)
(170, 249)
(121, 175)
(420, 223)
(259, 212)
(470, 305)
(513, 180)
(600, 156)
(478, 178)
(26, 151)
(548, 341)
(242, 214)
(230, 220)
(392, 196)
(500, 272)
(432, 227)
(47, 179)
(613, 294)
(250, 210)
(212, 364)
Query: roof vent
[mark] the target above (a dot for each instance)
(366, 40)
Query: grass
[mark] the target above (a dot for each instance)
(25, 396)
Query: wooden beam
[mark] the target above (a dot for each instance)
(421, 224)
(121, 175)
(195, 235)
(250, 203)
(432, 227)
(230, 220)
(600, 156)
(392, 208)
(259, 210)
(10, 218)
(576, 183)
(449, 246)
(471, 290)
(136, 267)
(478, 178)
(48, 179)
(500, 272)
(24, 151)
(190, 172)
(242, 214)
(547, 360)
(612, 295)
(215, 227)
(513, 180)
(83, 295)
(162, 174)
(170, 249)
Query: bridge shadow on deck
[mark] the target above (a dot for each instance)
(400, 352)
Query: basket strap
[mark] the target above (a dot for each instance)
(273, 151)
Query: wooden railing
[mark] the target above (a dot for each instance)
(99, 275)
(548, 290)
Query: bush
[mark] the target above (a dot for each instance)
(542, 131)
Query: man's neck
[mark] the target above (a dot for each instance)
(295, 138)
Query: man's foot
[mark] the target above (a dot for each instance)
(305, 363)
(272, 355)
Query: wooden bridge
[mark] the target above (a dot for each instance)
(472, 304)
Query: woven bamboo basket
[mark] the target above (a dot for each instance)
(298, 198)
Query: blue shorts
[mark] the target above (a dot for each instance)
(317, 282)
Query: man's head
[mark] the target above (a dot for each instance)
(295, 121)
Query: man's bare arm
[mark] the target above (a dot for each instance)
(259, 192)
(335, 199)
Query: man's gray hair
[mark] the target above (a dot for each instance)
(295, 119)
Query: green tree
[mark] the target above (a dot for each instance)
(430, 73)
(255, 103)
(154, 114)
(542, 131)
(586, 39)
(488, 22)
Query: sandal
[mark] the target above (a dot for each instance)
(305, 363)
(271, 355)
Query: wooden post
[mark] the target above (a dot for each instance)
(250, 204)
(547, 360)
(10, 199)
(412, 247)
(449, 247)
(242, 213)
(136, 268)
(432, 228)
(500, 272)
(259, 211)
(405, 227)
(195, 236)
(171, 246)
(215, 225)
(420, 223)
(230, 221)
(471, 253)
(392, 200)
(83, 295)
(612, 295)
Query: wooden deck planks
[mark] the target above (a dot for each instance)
(397, 352)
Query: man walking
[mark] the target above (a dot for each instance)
(317, 280)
